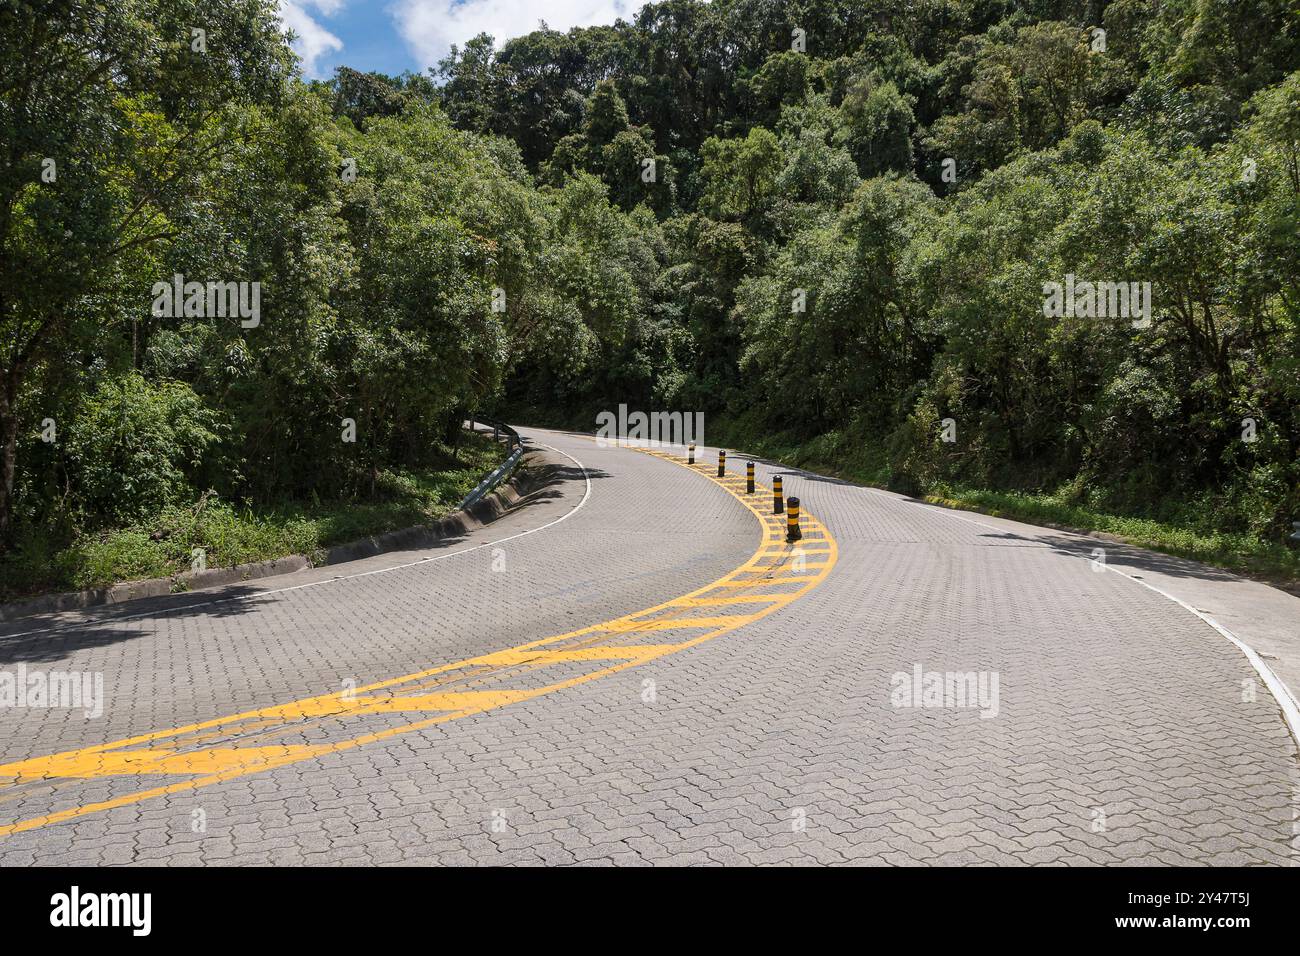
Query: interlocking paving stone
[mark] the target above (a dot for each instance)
(1122, 733)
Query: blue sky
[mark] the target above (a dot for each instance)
(396, 35)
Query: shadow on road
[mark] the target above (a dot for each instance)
(56, 637)
(1118, 552)
(1082, 544)
(54, 640)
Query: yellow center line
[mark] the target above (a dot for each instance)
(446, 698)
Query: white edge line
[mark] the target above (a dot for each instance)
(1281, 693)
(586, 477)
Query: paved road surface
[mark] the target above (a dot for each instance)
(632, 668)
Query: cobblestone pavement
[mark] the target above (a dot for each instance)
(1099, 723)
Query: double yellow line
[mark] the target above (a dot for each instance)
(215, 751)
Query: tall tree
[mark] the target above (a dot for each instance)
(110, 112)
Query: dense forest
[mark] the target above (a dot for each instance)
(806, 218)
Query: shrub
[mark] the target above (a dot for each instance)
(138, 446)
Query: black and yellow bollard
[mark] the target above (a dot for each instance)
(690, 455)
(792, 532)
(749, 477)
(722, 462)
(778, 499)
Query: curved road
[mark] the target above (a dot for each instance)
(633, 667)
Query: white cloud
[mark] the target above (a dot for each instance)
(313, 40)
(430, 27)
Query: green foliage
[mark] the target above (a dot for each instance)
(740, 174)
(131, 115)
(504, 245)
(161, 543)
(878, 125)
(610, 147)
(138, 447)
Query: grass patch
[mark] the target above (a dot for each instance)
(163, 545)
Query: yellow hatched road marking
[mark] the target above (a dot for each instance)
(735, 599)
(604, 653)
(164, 752)
(804, 579)
(672, 624)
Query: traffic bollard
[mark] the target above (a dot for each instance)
(792, 532)
(778, 502)
(749, 477)
(722, 463)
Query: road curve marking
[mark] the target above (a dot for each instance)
(215, 751)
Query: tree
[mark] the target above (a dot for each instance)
(469, 83)
(878, 124)
(359, 96)
(740, 173)
(621, 154)
(128, 104)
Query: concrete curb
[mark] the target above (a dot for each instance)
(485, 510)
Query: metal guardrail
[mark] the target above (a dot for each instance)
(499, 429)
(503, 471)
